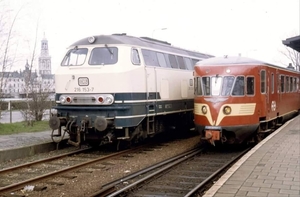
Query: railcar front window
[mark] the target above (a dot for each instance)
(75, 57)
(216, 85)
(239, 86)
(198, 86)
(227, 85)
(104, 56)
(206, 85)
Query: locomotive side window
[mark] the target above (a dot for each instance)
(161, 60)
(239, 86)
(135, 57)
(195, 61)
(206, 85)
(263, 81)
(188, 63)
(287, 84)
(181, 63)
(104, 55)
(173, 61)
(281, 83)
(250, 86)
(150, 57)
(227, 85)
(75, 57)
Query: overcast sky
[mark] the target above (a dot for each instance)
(253, 28)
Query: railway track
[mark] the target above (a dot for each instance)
(15, 178)
(184, 175)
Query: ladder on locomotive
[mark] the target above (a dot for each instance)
(151, 119)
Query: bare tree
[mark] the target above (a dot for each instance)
(6, 56)
(293, 56)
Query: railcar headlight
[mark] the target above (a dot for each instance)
(204, 109)
(227, 110)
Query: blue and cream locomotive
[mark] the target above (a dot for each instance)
(117, 87)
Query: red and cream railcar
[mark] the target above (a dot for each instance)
(239, 99)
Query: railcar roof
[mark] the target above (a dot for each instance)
(237, 60)
(234, 60)
(139, 41)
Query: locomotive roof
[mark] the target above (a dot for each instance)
(235, 60)
(139, 41)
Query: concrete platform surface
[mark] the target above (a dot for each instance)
(270, 169)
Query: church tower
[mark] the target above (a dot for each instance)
(44, 58)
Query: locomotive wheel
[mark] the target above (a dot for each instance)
(122, 145)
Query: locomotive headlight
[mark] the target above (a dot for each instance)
(204, 109)
(105, 99)
(109, 100)
(227, 110)
(62, 99)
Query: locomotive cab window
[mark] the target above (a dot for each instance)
(135, 57)
(75, 57)
(103, 56)
(263, 81)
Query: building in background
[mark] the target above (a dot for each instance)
(41, 80)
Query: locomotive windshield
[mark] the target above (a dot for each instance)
(75, 57)
(220, 86)
(104, 55)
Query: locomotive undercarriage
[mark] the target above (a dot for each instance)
(94, 134)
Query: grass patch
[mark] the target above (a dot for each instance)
(22, 127)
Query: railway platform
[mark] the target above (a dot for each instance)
(21, 145)
(270, 169)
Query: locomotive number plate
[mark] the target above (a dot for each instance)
(84, 89)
